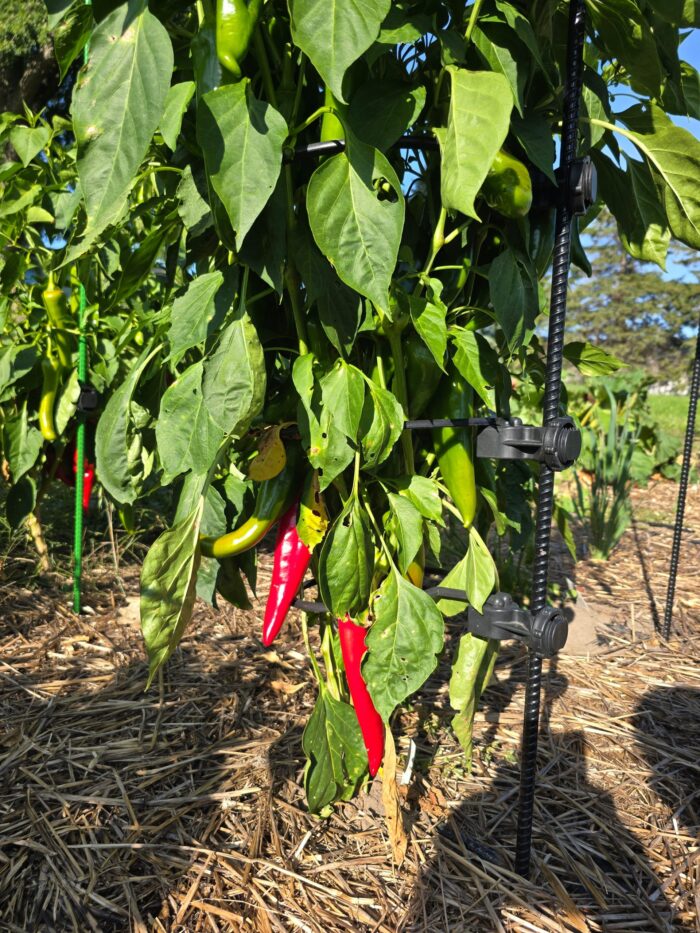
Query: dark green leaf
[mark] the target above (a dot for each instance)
(346, 562)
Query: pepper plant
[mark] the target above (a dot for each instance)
(322, 297)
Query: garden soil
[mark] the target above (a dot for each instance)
(182, 808)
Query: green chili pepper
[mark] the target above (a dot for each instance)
(60, 319)
(454, 447)
(508, 187)
(273, 499)
(47, 404)
(422, 375)
(542, 240)
(235, 24)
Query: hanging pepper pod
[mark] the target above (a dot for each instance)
(292, 558)
(60, 320)
(235, 24)
(353, 647)
(49, 388)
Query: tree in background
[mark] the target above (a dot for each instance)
(28, 70)
(642, 315)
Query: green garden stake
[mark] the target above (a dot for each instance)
(80, 461)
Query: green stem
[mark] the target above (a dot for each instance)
(476, 9)
(312, 656)
(401, 393)
(263, 61)
(436, 245)
(291, 276)
(312, 119)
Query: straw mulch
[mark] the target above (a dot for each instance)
(182, 809)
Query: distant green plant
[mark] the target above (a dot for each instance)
(23, 28)
(605, 506)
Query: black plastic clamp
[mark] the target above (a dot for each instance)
(583, 187)
(88, 400)
(556, 444)
(545, 632)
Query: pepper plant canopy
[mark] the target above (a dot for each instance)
(303, 307)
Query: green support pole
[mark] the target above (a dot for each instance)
(80, 462)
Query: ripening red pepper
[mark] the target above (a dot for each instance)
(88, 478)
(292, 558)
(352, 644)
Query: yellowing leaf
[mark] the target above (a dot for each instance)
(392, 805)
(313, 517)
(271, 458)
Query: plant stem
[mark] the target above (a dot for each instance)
(312, 119)
(291, 276)
(261, 56)
(401, 393)
(436, 245)
(312, 656)
(472, 19)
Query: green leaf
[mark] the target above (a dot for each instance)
(334, 33)
(192, 208)
(235, 377)
(22, 444)
(404, 641)
(499, 49)
(241, 138)
(117, 105)
(113, 437)
(339, 307)
(381, 111)
(590, 360)
(176, 103)
(20, 502)
(679, 12)
(57, 9)
(535, 136)
(186, 434)
(471, 673)
(327, 446)
(168, 585)
(633, 199)
(15, 363)
(512, 292)
(475, 360)
(407, 523)
(346, 562)
(381, 426)
(675, 154)
(71, 35)
(627, 36)
(455, 579)
(478, 123)
(29, 141)
(424, 493)
(197, 313)
(480, 571)
(355, 224)
(343, 393)
(336, 756)
(265, 247)
(429, 321)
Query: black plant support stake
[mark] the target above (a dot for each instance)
(682, 489)
(555, 349)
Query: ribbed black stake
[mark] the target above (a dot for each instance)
(552, 393)
(683, 489)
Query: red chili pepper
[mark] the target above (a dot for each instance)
(292, 558)
(352, 644)
(88, 478)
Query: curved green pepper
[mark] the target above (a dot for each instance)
(235, 24)
(47, 404)
(454, 447)
(60, 319)
(422, 374)
(508, 187)
(273, 499)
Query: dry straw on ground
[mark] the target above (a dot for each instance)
(182, 809)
